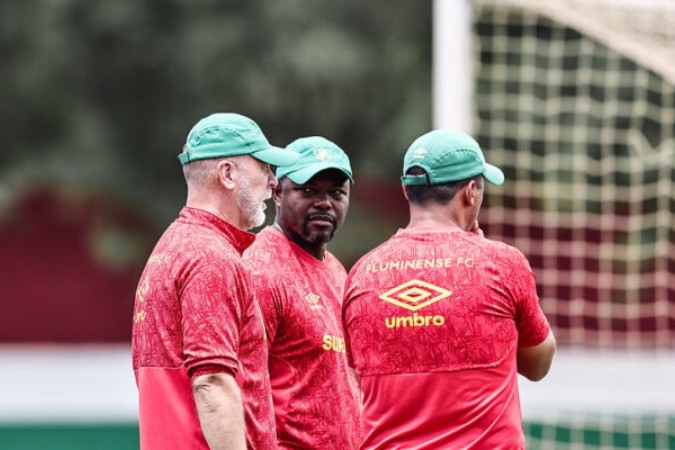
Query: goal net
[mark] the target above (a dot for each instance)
(586, 135)
(575, 100)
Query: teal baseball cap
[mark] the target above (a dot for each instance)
(315, 154)
(228, 134)
(447, 156)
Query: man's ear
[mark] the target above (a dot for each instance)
(276, 193)
(470, 192)
(227, 174)
(405, 192)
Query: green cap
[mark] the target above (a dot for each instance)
(316, 154)
(227, 134)
(447, 156)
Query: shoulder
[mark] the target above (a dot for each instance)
(333, 263)
(267, 260)
(503, 254)
(268, 246)
(383, 250)
(194, 242)
(502, 249)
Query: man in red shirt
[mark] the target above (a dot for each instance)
(198, 337)
(439, 320)
(299, 286)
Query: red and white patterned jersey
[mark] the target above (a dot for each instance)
(314, 391)
(433, 320)
(195, 314)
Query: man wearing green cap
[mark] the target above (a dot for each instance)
(299, 286)
(198, 335)
(439, 320)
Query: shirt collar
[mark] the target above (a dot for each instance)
(240, 240)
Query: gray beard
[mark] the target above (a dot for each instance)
(251, 210)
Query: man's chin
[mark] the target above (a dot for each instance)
(319, 238)
(256, 221)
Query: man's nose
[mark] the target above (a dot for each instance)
(322, 200)
(272, 180)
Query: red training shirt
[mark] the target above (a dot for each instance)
(315, 394)
(433, 320)
(195, 314)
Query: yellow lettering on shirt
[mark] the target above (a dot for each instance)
(437, 263)
(416, 320)
(334, 343)
(139, 316)
(142, 290)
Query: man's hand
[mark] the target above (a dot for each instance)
(475, 228)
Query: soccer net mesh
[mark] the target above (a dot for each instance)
(586, 137)
(575, 100)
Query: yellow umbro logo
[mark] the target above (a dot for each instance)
(313, 301)
(415, 294)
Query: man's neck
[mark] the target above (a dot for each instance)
(317, 251)
(229, 216)
(435, 217)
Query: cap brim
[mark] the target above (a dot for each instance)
(303, 175)
(276, 156)
(493, 174)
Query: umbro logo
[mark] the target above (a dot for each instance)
(415, 295)
(313, 301)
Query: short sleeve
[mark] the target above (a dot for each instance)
(531, 323)
(348, 314)
(345, 321)
(210, 302)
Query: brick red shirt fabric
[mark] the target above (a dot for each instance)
(195, 314)
(433, 320)
(315, 394)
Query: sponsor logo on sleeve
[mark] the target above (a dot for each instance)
(143, 289)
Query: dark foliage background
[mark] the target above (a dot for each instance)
(96, 99)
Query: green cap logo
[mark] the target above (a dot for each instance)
(316, 154)
(323, 154)
(419, 153)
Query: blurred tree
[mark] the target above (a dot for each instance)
(99, 96)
